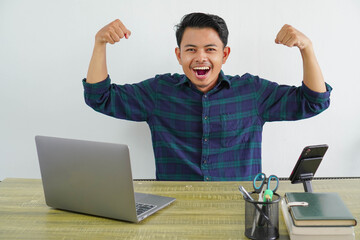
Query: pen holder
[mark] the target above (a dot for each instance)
(262, 218)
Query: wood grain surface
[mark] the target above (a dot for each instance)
(202, 210)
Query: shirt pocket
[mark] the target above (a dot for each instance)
(234, 130)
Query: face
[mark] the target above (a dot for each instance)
(201, 55)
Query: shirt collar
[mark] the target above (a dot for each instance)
(222, 78)
(182, 80)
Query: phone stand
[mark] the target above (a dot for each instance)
(306, 180)
(304, 172)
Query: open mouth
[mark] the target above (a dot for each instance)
(201, 72)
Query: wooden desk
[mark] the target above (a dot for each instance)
(203, 210)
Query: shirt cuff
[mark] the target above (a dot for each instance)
(96, 88)
(316, 97)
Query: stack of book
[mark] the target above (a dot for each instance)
(325, 217)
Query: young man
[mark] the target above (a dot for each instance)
(205, 125)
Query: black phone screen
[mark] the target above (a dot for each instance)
(308, 162)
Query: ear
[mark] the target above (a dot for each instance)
(226, 53)
(178, 55)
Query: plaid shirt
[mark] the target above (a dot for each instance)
(214, 136)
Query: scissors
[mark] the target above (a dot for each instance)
(260, 181)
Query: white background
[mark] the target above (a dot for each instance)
(45, 48)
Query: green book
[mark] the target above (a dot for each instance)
(324, 209)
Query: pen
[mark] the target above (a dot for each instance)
(265, 210)
(268, 195)
(247, 196)
(245, 193)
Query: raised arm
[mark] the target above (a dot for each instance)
(313, 78)
(111, 33)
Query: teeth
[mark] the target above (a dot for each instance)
(201, 68)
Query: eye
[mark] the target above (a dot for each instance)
(190, 50)
(211, 49)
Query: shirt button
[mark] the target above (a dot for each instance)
(205, 96)
(205, 139)
(204, 161)
(206, 117)
(207, 178)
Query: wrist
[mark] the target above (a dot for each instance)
(99, 44)
(308, 50)
(99, 48)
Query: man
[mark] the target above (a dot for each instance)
(205, 125)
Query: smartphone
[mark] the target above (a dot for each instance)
(308, 162)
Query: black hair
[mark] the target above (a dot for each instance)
(202, 20)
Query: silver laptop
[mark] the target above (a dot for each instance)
(93, 178)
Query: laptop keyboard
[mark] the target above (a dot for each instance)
(143, 207)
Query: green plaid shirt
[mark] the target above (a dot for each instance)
(214, 136)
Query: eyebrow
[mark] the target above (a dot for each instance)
(208, 45)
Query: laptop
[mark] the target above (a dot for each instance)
(93, 178)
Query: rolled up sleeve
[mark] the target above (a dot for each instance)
(130, 101)
(282, 102)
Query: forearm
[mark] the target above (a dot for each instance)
(97, 68)
(111, 33)
(312, 75)
(291, 37)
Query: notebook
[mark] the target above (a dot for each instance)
(324, 209)
(315, 232)
(92, 178)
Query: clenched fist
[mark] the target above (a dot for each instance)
(112, 33)
(289, 36)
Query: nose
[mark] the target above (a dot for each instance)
(201, 56)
